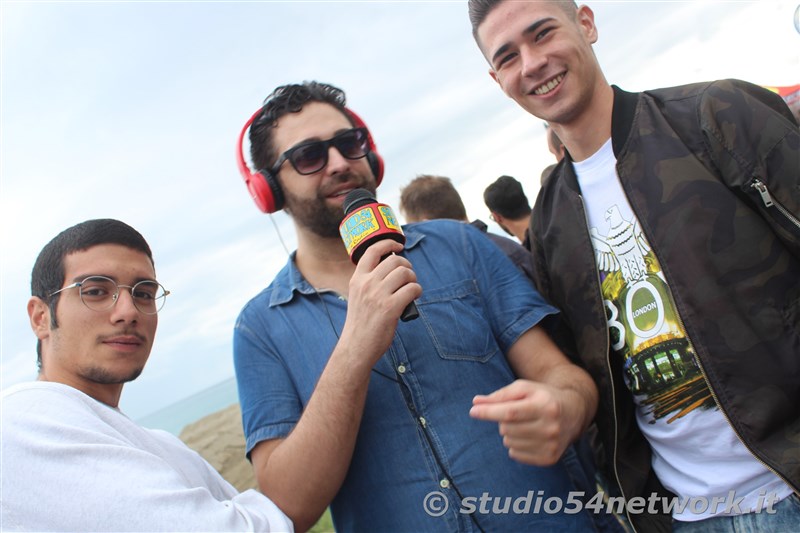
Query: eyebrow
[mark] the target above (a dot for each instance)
(78, 279)
(527, 31)
(320, 139)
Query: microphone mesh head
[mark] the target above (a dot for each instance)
(357, 198)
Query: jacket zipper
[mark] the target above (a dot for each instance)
(613, 387)
(728, 420)
(769, 201)
(724, 413)
(757, 184)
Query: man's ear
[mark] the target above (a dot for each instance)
(39, 314)
(585, 18)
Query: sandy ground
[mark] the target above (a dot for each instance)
(220, 440)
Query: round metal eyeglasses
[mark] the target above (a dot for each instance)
(100, 293)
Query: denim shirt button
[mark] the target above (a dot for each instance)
(422, 421)
(445, 483)
(401, 369)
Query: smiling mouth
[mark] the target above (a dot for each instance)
(549, 86)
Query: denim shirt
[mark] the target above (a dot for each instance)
(416, 436)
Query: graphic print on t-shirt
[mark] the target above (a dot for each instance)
(646, 331)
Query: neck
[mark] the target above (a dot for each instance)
(518, 227)
(108, 394)
(324, 262)
(589, 131)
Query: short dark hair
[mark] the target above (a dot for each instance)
(506, 198)
(48, 270)
(479, 10)
(432, 197)
(282, 101)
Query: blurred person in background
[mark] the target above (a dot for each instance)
(428, 197)
(556, 148)
(509, 207)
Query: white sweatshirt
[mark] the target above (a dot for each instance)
(71, 463)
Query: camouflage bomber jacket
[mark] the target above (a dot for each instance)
(712, 172)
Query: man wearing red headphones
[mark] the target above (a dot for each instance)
(344, 405)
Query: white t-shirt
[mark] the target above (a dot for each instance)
(71, 463)
(696, 453)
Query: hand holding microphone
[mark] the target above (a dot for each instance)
(366, 222)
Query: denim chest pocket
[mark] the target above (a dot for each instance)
(455, 319)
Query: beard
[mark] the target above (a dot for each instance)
(97, 374)
(316, 214)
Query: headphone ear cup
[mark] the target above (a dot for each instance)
(262, 189)
(276, 197)
(376, 164)
(262, 186)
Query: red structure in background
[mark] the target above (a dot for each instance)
(791, 95)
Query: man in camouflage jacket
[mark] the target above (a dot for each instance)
(718, 196)
(711, 171)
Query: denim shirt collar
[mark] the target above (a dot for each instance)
(290, 279)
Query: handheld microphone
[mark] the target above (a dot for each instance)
(365, 222)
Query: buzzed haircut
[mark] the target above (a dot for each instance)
(479, 10)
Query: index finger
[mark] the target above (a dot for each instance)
(509, 411)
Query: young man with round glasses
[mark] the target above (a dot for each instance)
(71, 460)
(345, 405)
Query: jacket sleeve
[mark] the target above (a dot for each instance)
(538, 261)
(556, 326)
(754, 140)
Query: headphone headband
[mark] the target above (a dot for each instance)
(264, 187)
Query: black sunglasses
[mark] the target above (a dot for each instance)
(312, 156)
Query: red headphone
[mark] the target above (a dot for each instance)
(264, 186)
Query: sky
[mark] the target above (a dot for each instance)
(131, 110)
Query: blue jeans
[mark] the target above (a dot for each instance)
(786, 519)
